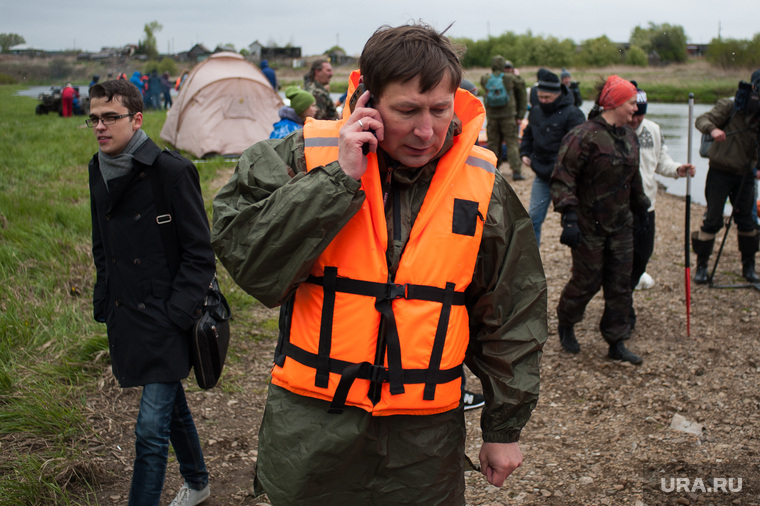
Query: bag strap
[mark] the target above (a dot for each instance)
(164, 219)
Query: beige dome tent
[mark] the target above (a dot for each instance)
(225, 105)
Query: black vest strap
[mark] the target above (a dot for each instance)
(385, 308)
(390, 290)
(325, 331)
(438, 343)
(395, 374)
(350, 372)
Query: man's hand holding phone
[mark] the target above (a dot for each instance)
(364, 126)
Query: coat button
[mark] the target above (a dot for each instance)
(142, 175)
(137, 216)
(137, 261)
(113, 260)
(108, 217)
(198, 312)
(141, 306)
(117, 303)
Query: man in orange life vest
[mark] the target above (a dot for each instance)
(397, 252)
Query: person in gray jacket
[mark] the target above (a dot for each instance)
(733, 125)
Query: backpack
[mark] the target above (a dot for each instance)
(496, 92)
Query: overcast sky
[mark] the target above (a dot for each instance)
(318, 25)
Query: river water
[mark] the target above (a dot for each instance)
(674, 123)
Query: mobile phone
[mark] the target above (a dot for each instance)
(360, 89)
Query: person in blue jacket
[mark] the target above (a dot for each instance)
(302, 106)
(269, 72)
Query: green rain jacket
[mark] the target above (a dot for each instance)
(273, 219)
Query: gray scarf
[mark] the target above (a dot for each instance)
(114, 166)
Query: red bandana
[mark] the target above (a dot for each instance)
(616, 92)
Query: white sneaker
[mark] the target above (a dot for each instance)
(645, 282)
(190, 497)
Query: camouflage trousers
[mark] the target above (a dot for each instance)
(601, 261)
(505, 130)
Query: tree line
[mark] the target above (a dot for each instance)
(666, 42)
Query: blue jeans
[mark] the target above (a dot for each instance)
(164, 416)
(540, 198)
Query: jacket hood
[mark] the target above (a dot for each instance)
(497, 63)
(286, 112)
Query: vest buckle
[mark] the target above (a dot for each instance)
(397, 291)
(377, 374)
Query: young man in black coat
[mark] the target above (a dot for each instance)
(551, 117)
(148, 310)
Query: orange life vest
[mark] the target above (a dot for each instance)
(328, 346)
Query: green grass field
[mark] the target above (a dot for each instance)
(51, 350)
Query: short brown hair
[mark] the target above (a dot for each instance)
(129, 96)
(404, 52)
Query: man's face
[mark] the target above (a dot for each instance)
(323, 75)
(636, 121)
(566, 81)
(546, 97)
(112, 139)
(415, 123)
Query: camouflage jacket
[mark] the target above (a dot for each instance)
(597, 175)
(325, 106)
(273, 219)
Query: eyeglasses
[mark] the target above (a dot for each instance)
(107, 120)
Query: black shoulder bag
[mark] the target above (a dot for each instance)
(210, 335)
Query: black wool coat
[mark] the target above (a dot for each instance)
(547, 126)
(147, 313)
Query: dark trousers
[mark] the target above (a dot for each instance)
(643, 247)
(505, 130)
(309, 456)
(740, 190)
(601, 261)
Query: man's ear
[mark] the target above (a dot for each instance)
(137, 121)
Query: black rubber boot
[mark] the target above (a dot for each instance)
(618, 351)
(703, 249)
(748, 246)
(567, 339)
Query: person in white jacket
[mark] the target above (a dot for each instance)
(653, 158)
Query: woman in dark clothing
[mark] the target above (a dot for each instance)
(596, 185)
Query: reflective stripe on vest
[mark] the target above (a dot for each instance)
(328, 347)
